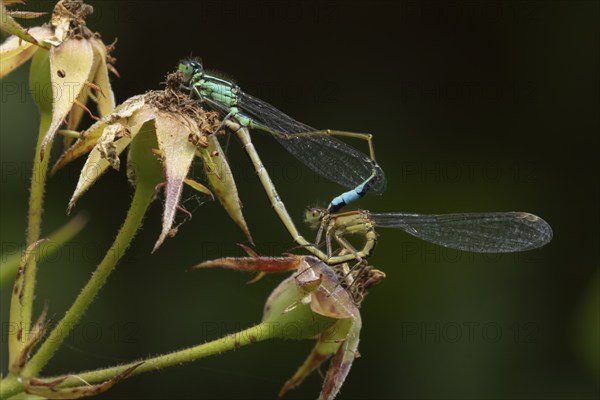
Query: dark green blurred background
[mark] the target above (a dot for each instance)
(475, 106)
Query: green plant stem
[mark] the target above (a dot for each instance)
(34, 221)
(11, 386)
(141, 200)
(55, 241)
(256, 333)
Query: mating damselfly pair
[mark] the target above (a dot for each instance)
(341, 163)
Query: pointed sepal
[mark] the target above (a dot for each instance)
(173, 134)
(222, 183)
(71, 64)
(15, 51)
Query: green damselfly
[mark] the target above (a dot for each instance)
(318, 149)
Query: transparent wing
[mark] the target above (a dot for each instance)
(324, 154)
(477, 232)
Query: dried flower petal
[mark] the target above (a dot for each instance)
(68, 20)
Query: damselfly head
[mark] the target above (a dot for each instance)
(313, 216)
(189, 68)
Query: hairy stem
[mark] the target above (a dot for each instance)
(232, 341)
(34, 221)
(141, 200)
(266, 330)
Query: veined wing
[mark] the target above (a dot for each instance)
(498, 232)
(326, 155)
